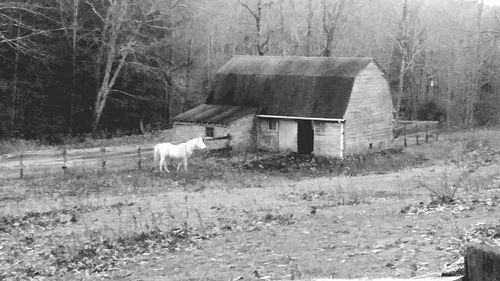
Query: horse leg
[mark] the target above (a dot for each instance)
(162, 159)
(185, 160)
(178, 166)
(165, 163)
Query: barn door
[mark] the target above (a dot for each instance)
(305, 136)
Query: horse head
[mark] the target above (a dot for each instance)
(200, 144)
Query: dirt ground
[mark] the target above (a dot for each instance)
(230, 221)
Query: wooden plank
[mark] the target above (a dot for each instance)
(482, 263)
(227, 137)
(455, 278)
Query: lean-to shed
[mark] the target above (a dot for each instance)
(325, 106)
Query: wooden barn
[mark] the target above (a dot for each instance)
(325, 106)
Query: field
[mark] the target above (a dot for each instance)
(254, 216)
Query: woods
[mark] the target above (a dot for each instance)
(74, 67)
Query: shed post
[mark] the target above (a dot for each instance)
(342, 140)
(228, 140)
(139, 161)
(65, 160)
(404, 135)
(21, 166)
(426, 134)
(103, 159)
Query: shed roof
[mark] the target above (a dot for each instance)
(215, 114)
(315, 87)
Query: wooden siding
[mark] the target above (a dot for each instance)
(327, 139)
(369, 112)
(287, 135)
(241, 133)
(267, 139)
(187, 131)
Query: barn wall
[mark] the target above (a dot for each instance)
(369, 112)
(287, 135)
(241, 130)
(186, 131)
(266, 139)
(327, 139)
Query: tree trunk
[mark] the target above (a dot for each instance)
(260, 47)
(400, 85)
(113, 50)
(15, 94)
(471, 100)
(73, 64)
(257, 15)
(107, 84)
(168, 102)
(331, 21)
(310, 15)
(403, 44)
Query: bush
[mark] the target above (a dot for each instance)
(430, 111)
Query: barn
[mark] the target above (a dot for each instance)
(324, 106)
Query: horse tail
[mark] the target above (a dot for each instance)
(156, 153)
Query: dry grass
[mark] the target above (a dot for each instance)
(223, 221)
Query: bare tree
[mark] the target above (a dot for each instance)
(256, 13)
(122, 37)
(70, 9)
(410, 45)
(333, 18)
(19, 33)
(10, 16)
(309, 32)
(115, 53)
(477, 67)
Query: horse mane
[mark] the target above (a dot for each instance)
(190, 144)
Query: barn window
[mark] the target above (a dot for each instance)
(209, 131)
(272, 124)
(319, 128)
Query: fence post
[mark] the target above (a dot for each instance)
(404, 133)
(103, 159)
(139, 161)
(65, 160)
(21, 166)
(416, 137)
(426, 135)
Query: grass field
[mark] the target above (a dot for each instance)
(256, 216)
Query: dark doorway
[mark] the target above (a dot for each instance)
(305, 137)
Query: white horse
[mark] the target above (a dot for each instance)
(166, 151)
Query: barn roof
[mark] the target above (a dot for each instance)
(315, 87)
(215, 114)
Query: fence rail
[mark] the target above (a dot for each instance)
(415, 129)
(226, 137)
(101, 156)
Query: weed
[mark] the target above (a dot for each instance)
(280, 218)
(380, 162)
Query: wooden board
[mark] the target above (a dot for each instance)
(455, 278)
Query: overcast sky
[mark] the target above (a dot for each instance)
(492, 2)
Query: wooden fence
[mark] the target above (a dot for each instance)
(419, 130)
(100, 155)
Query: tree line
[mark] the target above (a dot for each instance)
(111, 67)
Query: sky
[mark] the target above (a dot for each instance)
(492, 2)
